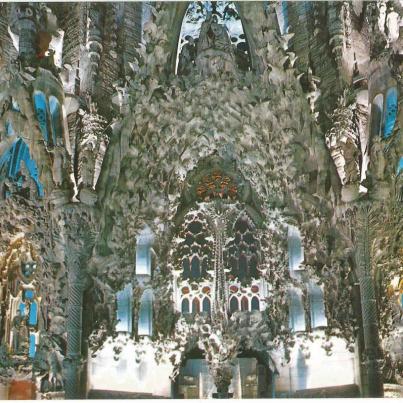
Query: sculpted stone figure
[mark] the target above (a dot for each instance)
(187, 56)
(214, 48)
(20, 334)
(392, 24)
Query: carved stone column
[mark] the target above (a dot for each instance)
(79, 243)
(372, 354)
(74, 331)
(25, 26)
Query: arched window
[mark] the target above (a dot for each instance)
(242, 253)
(186, 268)
(295, 249)
(212, 26)
(195, 268)
(195, 305)
(317, 305)
(206, 305)
(243, 267)
(296, 310)
(244, 304)
(255, 304)
(376, 115)
(233, 304)
(143, 252)
(56, 120)
(390, 112)
(145, 324)
(194, 250)
(124, 309)
(185, 306)
(41, 111)
(10, 164)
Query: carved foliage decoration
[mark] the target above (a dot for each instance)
(217, 184)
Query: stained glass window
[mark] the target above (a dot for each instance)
(143, 252)
(195, 305)
(295, 250)
(145, 324)
(317, 305)
(185, 305)
(124, 309)
(296, 310)
(255, 304)
(233, 304)
(390, 112)
(41, 111)
(206, 305)
(33, 314)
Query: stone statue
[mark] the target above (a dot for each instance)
(382, 16)
(20, 334)
(214, 49)
(187, 56)
(392, 24)
(351, 167)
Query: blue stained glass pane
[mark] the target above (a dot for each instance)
(186, 268)
(296, 311)
(295, 251)
(185, 305)
(400, 166)
(390, 112)
(195, 267)
(124, 309)
(15, 162)
(6, 157)
(32, 347)
(318, 316)
(18, 152)
(145, 325)
(33, 314)
(255, 304)
(29, 294)
(54, 108)
(233, 304)
(41, 113)
(206, 305)
(22, 308)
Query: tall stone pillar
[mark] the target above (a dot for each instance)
(372, 361)
(74, 332)
(25, 26)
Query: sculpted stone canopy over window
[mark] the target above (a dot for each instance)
(212, 39)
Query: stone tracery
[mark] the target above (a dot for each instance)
(199, 175)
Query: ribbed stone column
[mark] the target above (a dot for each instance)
(372, 361)
(74, 331)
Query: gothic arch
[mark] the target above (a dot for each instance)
(176, 17)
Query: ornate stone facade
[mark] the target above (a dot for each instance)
(206, 191)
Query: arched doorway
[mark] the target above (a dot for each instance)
(251, 378)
